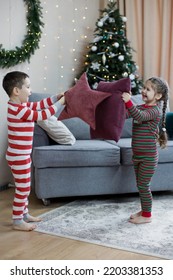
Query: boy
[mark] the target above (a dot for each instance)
(21, 116)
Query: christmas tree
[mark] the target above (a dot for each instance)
(110, 56)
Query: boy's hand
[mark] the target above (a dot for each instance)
(62, 100)
(60, 95)
(126, 96)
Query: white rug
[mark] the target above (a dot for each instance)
(105, 222)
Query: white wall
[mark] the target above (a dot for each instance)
(69, 27)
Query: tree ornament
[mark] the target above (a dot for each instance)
(104, 59)
(106, 16)
(116, 44)
(121, 32)
(9, 58)
(100, 23)
(121, 57)
(124, 19)
(93, 48)
(95, 65)
(125, 75)
(105, 36)
(111, 54)
(97, 39)
(95, 85)
(133, 84)
(111, 20)
(132, 77)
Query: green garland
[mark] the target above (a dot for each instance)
(31, 40)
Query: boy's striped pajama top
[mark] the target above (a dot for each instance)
(20, 120)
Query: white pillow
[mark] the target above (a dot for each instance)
(57, 131)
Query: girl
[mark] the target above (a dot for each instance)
(148, 129)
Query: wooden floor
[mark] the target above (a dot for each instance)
(16, 245)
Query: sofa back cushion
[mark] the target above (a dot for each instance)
(79, 128)
(40, 137)
(169, 125)
(127, 129)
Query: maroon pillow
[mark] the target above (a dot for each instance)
(111, 113)
(81, 101)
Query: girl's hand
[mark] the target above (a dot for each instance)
(126, 96)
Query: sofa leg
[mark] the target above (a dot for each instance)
(46, 201)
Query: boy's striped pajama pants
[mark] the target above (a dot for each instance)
(145, 167)
(21, 169)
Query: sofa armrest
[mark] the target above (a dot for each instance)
(169, 125)
(40, 137)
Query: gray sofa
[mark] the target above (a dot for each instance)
(90, 167)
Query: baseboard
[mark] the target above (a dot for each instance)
(5, 187)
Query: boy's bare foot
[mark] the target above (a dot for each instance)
(30, 218)
(140, 220)
(138, 214)
(24, 226)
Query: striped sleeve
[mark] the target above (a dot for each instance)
(139, 115)
(42, 104)
(26, 114)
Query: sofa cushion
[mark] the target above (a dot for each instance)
(125, 151)
(111, 113)
(169, 125)
(165, 155)
(127, 129)
(82, 153)
(78, 127)
(57, 131)
(81, 101)
(40, 137)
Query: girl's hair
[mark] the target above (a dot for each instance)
(161, 86)
(13, 79)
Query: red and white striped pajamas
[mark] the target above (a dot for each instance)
(20, 120)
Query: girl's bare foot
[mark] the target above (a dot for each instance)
(138, 214)
(28, 218)
(140, 220)
(23, 226)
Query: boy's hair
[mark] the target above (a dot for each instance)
(161, 86)
(13, 79)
